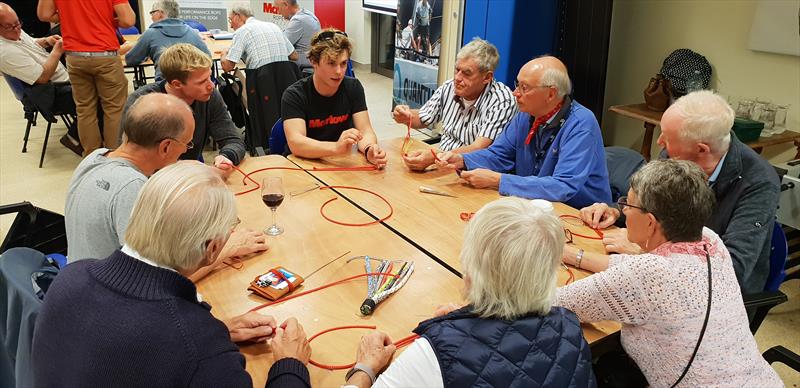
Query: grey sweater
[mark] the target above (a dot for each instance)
(211, 118)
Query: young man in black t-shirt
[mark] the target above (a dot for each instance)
(326, 114)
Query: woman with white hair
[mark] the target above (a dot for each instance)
(509, 333)
(135, 319)
(681, 310)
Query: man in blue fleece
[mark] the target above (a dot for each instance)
(552, 149)
(165, 31)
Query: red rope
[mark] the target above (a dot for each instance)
(318, 169)
(597, 231)
(288, 298)
(322, 208)
(399, 343)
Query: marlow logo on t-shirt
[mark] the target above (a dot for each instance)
(330, 120)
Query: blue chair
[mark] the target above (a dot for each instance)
(128, 31)
(277, 139)
(196, 25)
(777, 259)
(21, 90)
(349, 72)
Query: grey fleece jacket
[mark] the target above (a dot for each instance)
(160, 35)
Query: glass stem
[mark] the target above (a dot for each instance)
(274, 223)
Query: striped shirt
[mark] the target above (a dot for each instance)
(258, 43)
(462, 124)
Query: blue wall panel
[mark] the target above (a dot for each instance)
(520, 29)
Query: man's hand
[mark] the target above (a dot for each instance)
(52, 39)
(616, 241)
(58, 48)
(377, 156)
(482, 178)
(418, 160)
(451, 159)
(290, 342)
(375, 351)
(244, 242)
(599, 215)
(347, 139)
(251, 326)
(402, 114)
(224, 165)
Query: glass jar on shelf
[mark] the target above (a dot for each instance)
(780, 119)
(744, 108)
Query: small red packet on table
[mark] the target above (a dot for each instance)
(275, 283)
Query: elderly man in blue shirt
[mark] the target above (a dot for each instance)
(552, 149)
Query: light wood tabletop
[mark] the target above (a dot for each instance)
(431, 221)
(309, 241)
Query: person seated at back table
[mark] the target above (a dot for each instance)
(473, 107)
(135, 319)
(326, 114)
(165, 31)
(510, 333)
(552, 149)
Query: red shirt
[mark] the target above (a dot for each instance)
(88, 25)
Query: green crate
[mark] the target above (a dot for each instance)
(747, 130)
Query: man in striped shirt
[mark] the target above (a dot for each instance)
(473, 107)
(552, 149)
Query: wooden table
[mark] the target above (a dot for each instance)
(652, 118)
(309, 242)
(431, 222)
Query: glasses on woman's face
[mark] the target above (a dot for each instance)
(622, 202)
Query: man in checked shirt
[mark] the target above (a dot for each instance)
(473, 107)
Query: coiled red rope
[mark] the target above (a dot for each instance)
(246, 176)
(399, 343)
(322, 208)
(599, 235)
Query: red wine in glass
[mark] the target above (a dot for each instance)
(272, 195)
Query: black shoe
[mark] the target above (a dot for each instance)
(73, 145)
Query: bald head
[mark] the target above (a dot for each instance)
(548, 71)
(154, 117)
(8, 18)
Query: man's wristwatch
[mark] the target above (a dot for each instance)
(363, 368)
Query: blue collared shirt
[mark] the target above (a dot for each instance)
(713, 178)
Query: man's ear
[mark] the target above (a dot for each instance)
(703, 148)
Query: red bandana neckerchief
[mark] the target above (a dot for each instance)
(540, 121)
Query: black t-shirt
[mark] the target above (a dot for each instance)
(326, 117)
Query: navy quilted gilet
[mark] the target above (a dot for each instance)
(532, 351)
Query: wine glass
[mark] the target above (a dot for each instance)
(272, 195)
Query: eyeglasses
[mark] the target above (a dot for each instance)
(154, 11)
(525, 88)
(188, 145)
(12, 26)
(623, 201)
(328, 35)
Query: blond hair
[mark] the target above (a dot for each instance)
(178, 61)
(179, 210)
(329, 43)
(510, 255)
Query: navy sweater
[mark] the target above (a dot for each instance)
(122, 322)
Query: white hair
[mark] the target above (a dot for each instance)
(179, 210)
(510, 256)
(170, 8)
(707, 118)
(557, 79)
(241, 9)
(482, 52)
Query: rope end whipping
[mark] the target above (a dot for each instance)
(368, 306)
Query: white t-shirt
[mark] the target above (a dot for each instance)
(23, 59)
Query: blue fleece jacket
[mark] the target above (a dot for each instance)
(571, 170)
(160, 35)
